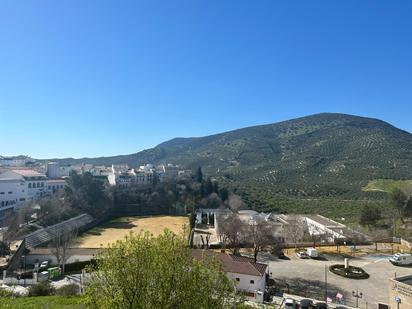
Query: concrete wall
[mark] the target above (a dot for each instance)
(31, 259)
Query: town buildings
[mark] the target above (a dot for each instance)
(141, 176)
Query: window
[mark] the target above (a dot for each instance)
(42, 184)
(237, 279)
(10, 192)
(2, 193)
(252, 281)
(29, 184)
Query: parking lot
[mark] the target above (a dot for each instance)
(311, 274)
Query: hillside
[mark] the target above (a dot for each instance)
(314, 156)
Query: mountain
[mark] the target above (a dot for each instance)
(320, 155)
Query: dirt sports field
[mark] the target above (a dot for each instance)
(117, 229)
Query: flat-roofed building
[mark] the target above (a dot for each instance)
(55, 185)
(400, 293)
(13, 191)
(18, 186)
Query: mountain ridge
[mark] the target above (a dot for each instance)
(316, 155)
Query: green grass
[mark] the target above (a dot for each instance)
(386, 185)
(49, 302)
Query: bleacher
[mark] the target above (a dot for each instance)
(45, 235)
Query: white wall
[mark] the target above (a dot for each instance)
(244, 283)
(12, 192)
(31, 259)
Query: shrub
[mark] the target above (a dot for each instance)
(6, 293)
(78, 266)
(68, 290)
(41, 289)
(351, 272)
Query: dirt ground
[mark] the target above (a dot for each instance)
(119, 228)
(385, 248)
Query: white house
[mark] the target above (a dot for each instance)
(249, 277)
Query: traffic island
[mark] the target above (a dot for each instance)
(350, 272)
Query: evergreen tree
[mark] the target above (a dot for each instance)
(199, 175)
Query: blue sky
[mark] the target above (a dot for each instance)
(91, 78)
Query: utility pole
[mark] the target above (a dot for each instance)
(357, 295)
(326, 284)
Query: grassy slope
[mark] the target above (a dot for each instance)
(49, 302)
(386, 185)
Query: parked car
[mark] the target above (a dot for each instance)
(321, 306)
(401, 259)
(306, 304)
(302, 255)
(44, 264)
(290, 303)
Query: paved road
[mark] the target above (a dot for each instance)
(375, 289)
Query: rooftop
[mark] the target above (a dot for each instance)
(55, 180)
(28, 173)
(406, 280)
(325, 221)
(235, 264)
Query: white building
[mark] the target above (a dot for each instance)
(20, 185)
(144, 175)
(17, 161)
(322, 226)
(249, 277)
(13, 191)
(53, 170)
(55, 185)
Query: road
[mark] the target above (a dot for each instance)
(375, 289)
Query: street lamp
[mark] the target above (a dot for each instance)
(357, 295)
(23, 257)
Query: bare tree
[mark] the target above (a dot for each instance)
(294, 230)
(236, 203)
(232, 231)
(355, 238)
(261, 234)
(60, 246)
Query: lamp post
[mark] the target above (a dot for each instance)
(357, 295)
(326, 284)
(23, 257)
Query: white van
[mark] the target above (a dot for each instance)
(312, 252)
(401, 259)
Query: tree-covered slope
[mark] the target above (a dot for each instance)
(318, 155)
